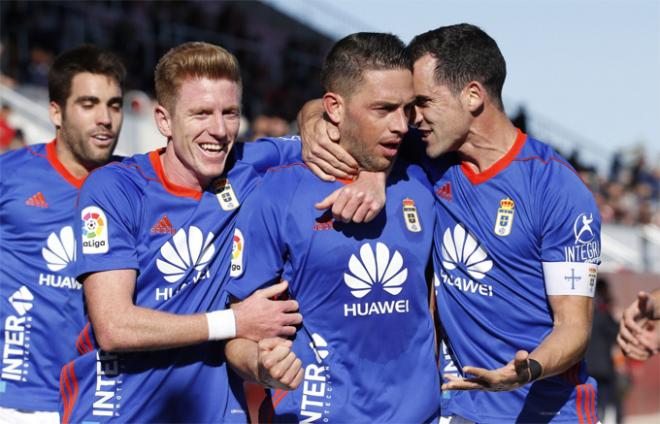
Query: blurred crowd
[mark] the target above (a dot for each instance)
(629, 192)
(280, 58)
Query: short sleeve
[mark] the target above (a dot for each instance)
(569, 218)
(266, 153)
(106, 226)
(259, 250)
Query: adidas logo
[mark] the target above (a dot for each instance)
(460, 247)
(60, 251)
(164, 226)
(21, 300)
(375, 268)
(183, 251)
(38, 200)
(445, 192)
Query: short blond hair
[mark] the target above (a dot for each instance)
(194, 59)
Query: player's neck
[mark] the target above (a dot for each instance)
(488, 141)
(66, 157)
(178, 173)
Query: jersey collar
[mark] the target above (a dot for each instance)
(481, 177)
(171, 188)
(51, 155)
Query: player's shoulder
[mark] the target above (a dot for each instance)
(555, 182)
(24, 159)
(543, 159)
(289, 173)
(410, 175)
(281, 183)
(135, 171)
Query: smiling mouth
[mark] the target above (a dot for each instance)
(212, 147)
(103, 138)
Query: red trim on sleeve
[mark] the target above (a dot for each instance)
(172, 188)
(51, 155)
(478, 178)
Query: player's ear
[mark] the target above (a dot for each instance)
(163, 120)
(473, 96)
(55, 113)
(334, 106)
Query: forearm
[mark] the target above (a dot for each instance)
(567, 343)
(242, 356)
(135, 329)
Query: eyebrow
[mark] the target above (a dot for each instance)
(94, 99)
(83, 99)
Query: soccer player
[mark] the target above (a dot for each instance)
(516, 248)
(41, 300)
(154, 241)
(367, 342)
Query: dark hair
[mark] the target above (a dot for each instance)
(359, 52)
(86, 58)
(464, 53)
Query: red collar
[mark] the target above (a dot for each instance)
(51, 155)
(478, 178)
(172, 188)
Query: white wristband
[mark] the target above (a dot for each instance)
(222, 324)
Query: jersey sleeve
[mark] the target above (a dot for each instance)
(266, 153)
(259, 249)
(570, 233)
(107, 210)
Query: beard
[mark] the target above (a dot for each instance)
(78, 142)
(366, 159)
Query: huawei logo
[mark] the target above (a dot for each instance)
(60, 251)
(183, 251)
(460, 247)
(375, 268)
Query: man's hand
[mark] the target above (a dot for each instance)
(512, 376)
(638, 337)
(279, 367)
(259, 317)
(320, 148)
(360, 201)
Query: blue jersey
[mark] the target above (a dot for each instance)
(41, 300)
(367, 342)
(495, 232)
(132, 217)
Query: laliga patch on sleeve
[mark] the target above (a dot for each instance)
(94, 231)
(237, 249)
(570, 278)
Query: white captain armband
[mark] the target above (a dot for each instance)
(570, 278)
(222, 324)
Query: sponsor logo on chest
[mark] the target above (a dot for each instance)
(462, 252)
(376, 269)
(187, 253)
(59, 253)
